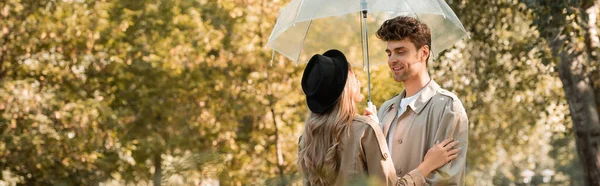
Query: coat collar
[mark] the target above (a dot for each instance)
(418, 105)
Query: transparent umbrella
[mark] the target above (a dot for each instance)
(307, 27)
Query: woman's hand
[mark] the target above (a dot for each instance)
(371, 113)
(438, 155)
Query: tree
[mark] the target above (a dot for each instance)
(567, 31)
(56, 123)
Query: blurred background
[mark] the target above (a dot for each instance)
(183, 92)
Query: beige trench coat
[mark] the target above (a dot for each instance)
(363, 153)
(434, 116)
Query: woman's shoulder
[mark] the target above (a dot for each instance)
(362, 124)
(365, 122)
(370, 133)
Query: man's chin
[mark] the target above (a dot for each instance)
(400, 79)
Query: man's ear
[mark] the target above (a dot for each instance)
(424, 52)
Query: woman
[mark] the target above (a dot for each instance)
(338, 145)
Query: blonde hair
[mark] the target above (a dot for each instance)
(318, 152)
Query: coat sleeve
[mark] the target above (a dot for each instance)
(379, 164)
(413, 178)
(453, 123)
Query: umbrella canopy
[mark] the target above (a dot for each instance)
(313, 26)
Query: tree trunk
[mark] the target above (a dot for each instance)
(572, 64)
(157, 169)
(278, 150)
(584, 114)
(592, 42)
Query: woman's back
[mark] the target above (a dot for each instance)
(363, 151)
(363, 154)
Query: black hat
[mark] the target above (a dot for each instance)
(324, 80)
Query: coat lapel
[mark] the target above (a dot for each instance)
(391, 113)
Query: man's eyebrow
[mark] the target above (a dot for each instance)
(398, 48)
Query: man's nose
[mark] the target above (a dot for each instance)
(393, 61)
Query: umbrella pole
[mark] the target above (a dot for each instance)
(366, 57)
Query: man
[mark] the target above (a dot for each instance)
(414, 120)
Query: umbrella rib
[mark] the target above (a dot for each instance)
(453, 15)
(413, 10)
(441, 10)
(303, 40)
(286, 55)
(298, 11)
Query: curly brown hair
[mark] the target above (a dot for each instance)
(404, 27)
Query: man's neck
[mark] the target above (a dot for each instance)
(413, 86)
